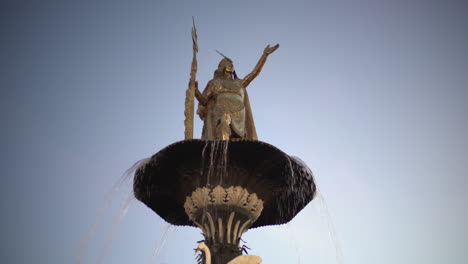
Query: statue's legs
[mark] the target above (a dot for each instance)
(223, 130)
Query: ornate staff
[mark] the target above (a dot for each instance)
(190, 92)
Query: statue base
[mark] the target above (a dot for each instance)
(223, 215)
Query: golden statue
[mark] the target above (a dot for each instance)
(224, 104)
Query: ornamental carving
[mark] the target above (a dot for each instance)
(233, 196)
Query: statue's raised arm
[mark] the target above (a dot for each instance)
(258, 68)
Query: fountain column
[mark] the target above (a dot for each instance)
(223, 215)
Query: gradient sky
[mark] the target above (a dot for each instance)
(370, 94)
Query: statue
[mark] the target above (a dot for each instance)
(224, 104)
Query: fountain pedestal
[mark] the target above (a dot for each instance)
(223, 215)
(224, 188)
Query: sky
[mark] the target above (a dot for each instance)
(370, 94)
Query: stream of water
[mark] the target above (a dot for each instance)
(161, 242)
(218, 156)
(125, 181)
(216, 169)
(326, 217)
(121, 213)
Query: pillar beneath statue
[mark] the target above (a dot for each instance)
(223, 215)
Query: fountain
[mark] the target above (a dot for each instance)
(228, 181)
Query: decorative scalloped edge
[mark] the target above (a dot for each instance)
(233, 196)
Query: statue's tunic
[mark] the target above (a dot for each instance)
(225, 112)
(229, 109)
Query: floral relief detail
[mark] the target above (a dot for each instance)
(218, 194)
(233, 196)
(200, 197)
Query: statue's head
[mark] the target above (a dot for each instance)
(226, 66)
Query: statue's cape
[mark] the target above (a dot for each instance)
(250, 131)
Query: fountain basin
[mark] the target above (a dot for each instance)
(284, 184)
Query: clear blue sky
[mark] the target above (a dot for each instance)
(370, 94)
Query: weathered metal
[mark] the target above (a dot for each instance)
(224, 105)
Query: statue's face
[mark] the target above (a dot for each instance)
(229, 67)
(226, 65)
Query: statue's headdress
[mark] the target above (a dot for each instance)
(224, 56)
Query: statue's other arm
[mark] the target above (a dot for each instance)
(202, 97)
(258, 68)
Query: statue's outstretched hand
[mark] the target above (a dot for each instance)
(268, 50)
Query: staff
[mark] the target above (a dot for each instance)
(190, 92)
